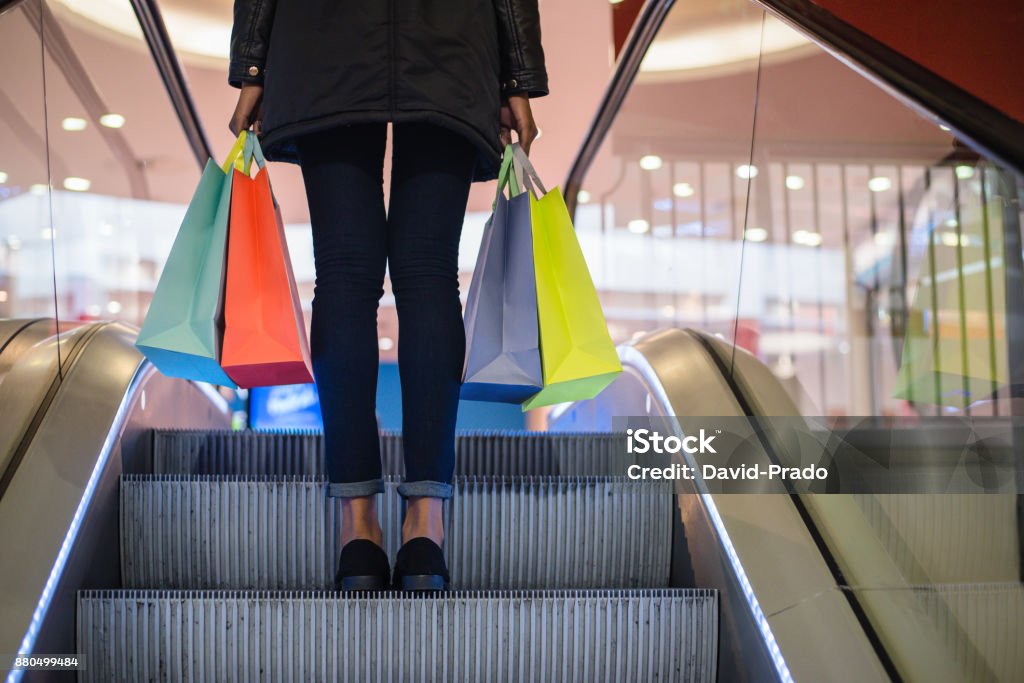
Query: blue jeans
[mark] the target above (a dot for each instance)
(418, 239)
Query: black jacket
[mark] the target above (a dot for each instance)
(333, 62)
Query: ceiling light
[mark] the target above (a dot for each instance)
(944, 127)
(112, 120)
(114, 306)
(746, 171)
(106, 229)
(884, 239)
(951, 223)
(583, 197)
(3, 177)
(879, 184)
(683, 190)
(794, 182)
(39, 188)
(3, 295)
(77, 184)
(807, 238)
(386, 343)
(650, 162)
(949, 238)
(46, 233)
(963, 172)
(638, 226)
(668, 310)
(73, 123)
(755, 234)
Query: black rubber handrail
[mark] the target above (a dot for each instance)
(167, 65)
(645, 28)
(984, 127)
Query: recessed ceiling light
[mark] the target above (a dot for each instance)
(884, 239)
(668, 310)
(3, 177)
(879, 184)
(39, 188)
(746, 171)
(114, 306)
(583, 197)
(386, 343)
(76, 184)
(755, 234)
(807, 238)
(683, 190)
(963, 172)
(650, 162)
(3, 295)
(46, 233)
(112, 120)
(638, 226)
(794, 182)
(73, 123)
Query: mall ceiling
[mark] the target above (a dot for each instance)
(97, 63)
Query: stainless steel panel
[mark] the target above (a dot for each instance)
(282, 533)
(300, 452)
(220, 637)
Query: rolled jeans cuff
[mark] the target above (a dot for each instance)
(427, 489)
(354, 489)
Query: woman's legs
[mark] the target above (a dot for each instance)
(342, 169)
(432, 169)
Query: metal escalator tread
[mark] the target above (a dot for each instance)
(301, 452)
(225, 636)
(203, 532)
(557, 576)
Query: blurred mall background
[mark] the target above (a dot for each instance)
(799, 208)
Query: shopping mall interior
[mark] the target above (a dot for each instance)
(800, 213)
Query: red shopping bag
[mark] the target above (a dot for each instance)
(265, 339)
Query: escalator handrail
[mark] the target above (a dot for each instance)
(644, 30)
(165, 60)
(968, 117)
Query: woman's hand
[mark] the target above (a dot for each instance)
(249, 110)
(517, 115)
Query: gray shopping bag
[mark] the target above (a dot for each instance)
(502, 340)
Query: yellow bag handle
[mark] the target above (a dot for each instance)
(235, 156)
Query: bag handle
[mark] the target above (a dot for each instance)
(234, 157)
(506, 177)
(528, 172)
(245, 150)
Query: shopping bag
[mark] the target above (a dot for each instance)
(578, 358)
(182, 331)
(502, 351)
(265, 339)
(954, 344)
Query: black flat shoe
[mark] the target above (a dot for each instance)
(363, 566)
(420, 566)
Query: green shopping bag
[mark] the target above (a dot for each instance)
(954, 351)
(578, 358)
(181, 334)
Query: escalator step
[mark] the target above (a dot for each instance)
(644, 635)
(219, 532)
(189, 451)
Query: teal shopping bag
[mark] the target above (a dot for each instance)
(184, 325)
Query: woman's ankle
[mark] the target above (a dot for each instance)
(424, 517)
(359, 520)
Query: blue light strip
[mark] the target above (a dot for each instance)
(46, 597)
(628, 354)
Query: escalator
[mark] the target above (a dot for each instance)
(144, 533)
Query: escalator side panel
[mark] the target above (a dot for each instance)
(58, 519)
